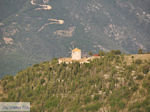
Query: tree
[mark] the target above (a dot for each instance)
(140, 51)
(118, 52)
(101, 53)
(138, 61)
(145, 69)
(90, 53)
(115, 52)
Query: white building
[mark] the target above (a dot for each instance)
(76, 57)
(76, 54)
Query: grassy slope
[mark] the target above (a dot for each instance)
(130, 58)
(108, 83)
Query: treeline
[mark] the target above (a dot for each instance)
(103, 53)
(140, 51)
(116, 52)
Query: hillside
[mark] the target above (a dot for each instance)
(33, 31)
(105, 84)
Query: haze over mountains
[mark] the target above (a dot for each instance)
(37, 30)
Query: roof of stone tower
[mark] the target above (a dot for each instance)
(76, 49)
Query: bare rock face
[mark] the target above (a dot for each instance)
(65, 33)
(8, 40)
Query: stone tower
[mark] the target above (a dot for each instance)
(76, 54)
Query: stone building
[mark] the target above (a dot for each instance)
(76, 57)
(76, 54)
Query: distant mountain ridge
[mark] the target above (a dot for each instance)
(37, 30)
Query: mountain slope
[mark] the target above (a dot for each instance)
(105, 84)
(9, 7)
(39, 30)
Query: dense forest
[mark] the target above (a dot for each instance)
(107, 84)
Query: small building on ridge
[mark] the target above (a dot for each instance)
(76, 57)
(76, 54)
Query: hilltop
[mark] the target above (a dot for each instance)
(108, 83)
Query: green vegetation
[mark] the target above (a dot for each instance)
(107, 83)
(140, 51)
(90, 53)
(101, 53)
(138, 61)
(89, 27)
(116, 52)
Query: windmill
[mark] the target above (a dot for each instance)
(71, 48)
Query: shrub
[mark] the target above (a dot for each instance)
(4, 83)
(87, 99)
(132, 57)
(96, 97)
(148, 77)
(146, 84)
(92, 107)
(36, 65)
(138, 61)
(140, 77)
(130, 68)
(135, 107)
(146, 104)
(52, 102)
(101, 53)
(90, 53)
(145, 69)
(142, 91)
(140, 51)
(115, 52)
(54, 61)
(42, 81)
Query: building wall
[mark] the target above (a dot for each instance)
(76, 55)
